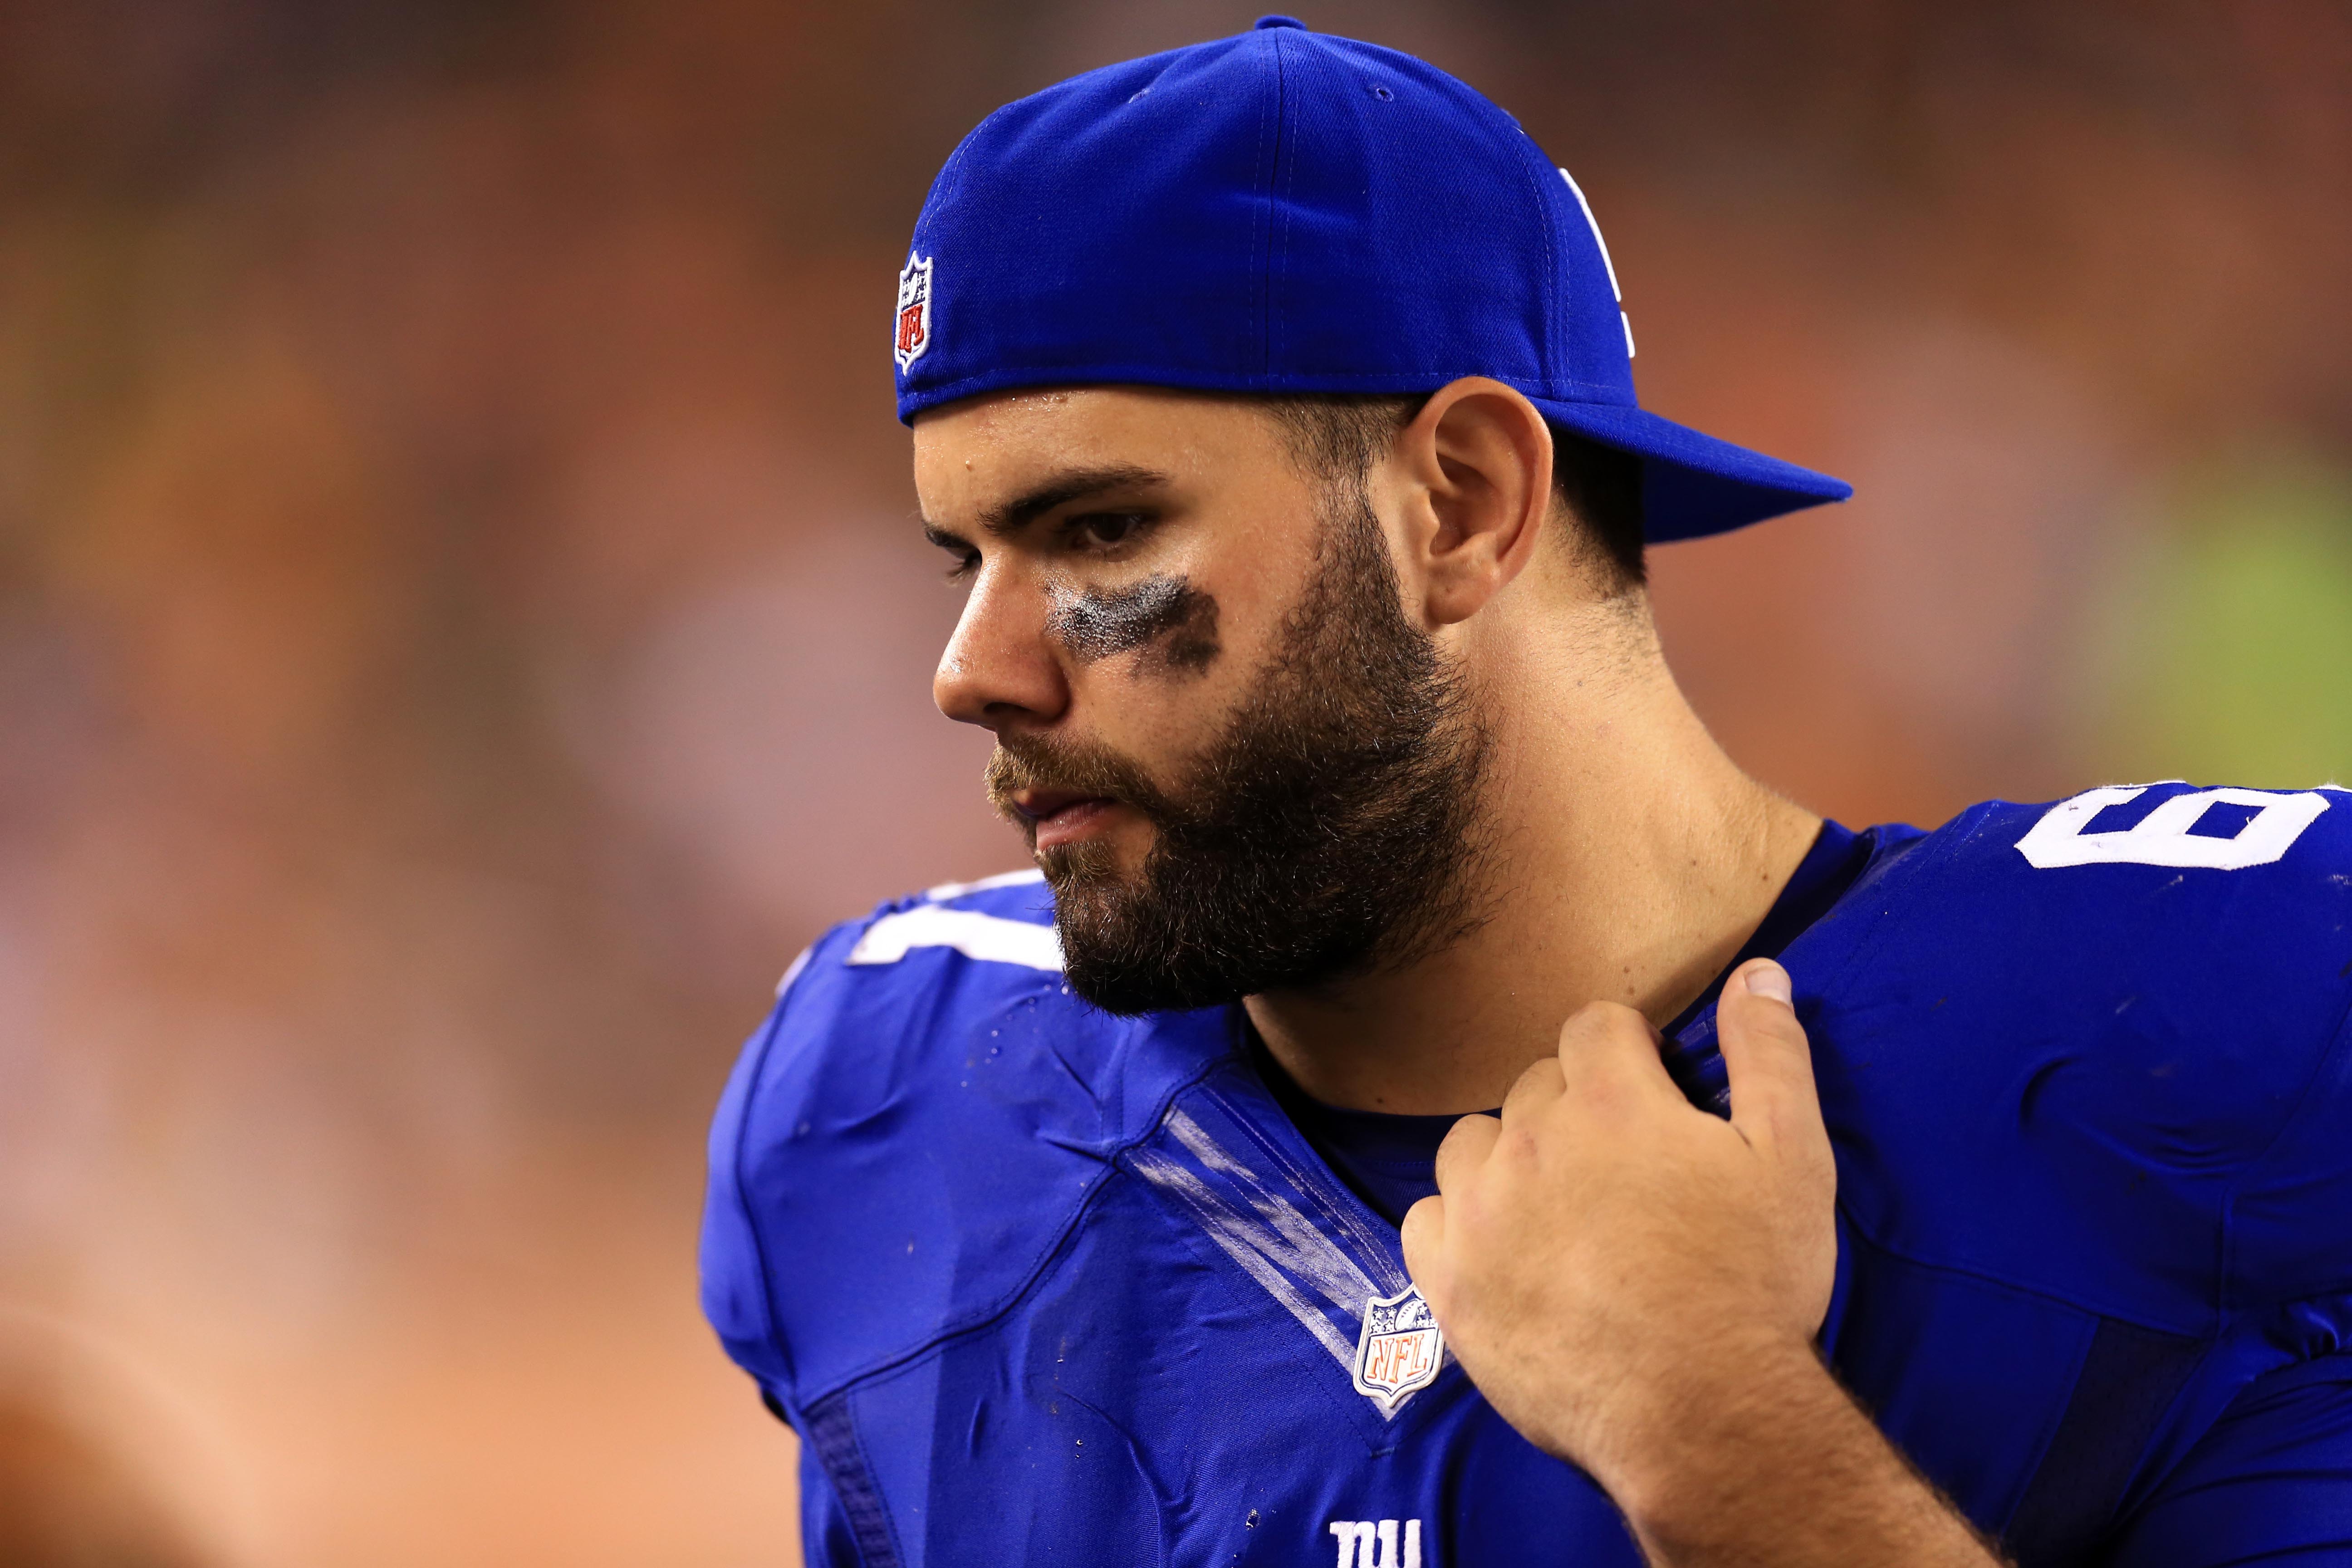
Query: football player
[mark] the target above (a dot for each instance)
(1855, 1197)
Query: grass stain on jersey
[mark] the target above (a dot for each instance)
(1173, 624)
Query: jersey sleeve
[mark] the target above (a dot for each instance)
(2271, 1482)
(905, 1139)
(900, 1148)
(735, 1280)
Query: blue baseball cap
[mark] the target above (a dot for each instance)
(1286, 212)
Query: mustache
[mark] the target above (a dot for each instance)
(1022, 762)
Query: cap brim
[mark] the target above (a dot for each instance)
(1692, 484)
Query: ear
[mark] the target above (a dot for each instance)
(1474, 466)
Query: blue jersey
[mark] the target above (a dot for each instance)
(1038, 1285)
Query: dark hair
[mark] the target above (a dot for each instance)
(1339, 435)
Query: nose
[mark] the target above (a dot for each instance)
(997, 669)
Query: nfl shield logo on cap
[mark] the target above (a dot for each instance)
(914, 311)
(1401, 1350)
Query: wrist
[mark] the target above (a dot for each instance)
(1704, 1438)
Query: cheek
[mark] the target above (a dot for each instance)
(1159, 669)
(1189, 645)
(1168, 625)
(1166, 702)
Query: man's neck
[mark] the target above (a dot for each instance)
(1629, 860)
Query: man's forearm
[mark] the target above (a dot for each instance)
(1784, 1472)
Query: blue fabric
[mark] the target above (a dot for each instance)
(2271, 1482)
(1039, 1285)
(1390, 1162)
(1289, 211)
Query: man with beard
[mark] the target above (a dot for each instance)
(1273, 398)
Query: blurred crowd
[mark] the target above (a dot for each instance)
(462, 626)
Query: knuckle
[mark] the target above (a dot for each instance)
(1519, 1145)
(1793, 1040)
(1776, 1024)
(1465, 1132)
(1608, 1021)
(1544, 1073)
(1458, 1152)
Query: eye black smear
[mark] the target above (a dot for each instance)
(1175, 621)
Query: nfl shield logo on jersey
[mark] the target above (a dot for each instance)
(1401, 1350)
(914, 311)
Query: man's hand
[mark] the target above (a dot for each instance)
(1605, 1254)
(1635, 1286)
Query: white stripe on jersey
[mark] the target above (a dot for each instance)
(991, 939)
(946, 890)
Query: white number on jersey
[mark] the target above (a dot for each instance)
(2162, 837)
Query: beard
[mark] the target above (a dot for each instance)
(1331, 830)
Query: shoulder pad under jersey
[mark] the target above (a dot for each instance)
(2096, 1048)
(907, 1139)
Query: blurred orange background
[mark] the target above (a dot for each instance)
(462, 628)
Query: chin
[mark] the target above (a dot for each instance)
(1114, 856)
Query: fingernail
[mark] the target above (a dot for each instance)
(1766, 978)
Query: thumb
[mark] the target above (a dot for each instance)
(1768, 1059)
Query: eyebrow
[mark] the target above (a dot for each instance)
(1078, 484)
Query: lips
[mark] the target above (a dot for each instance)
(1060, 817)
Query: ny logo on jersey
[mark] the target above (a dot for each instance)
(914, 311)
(1400, 1349)
(1372, 1543)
